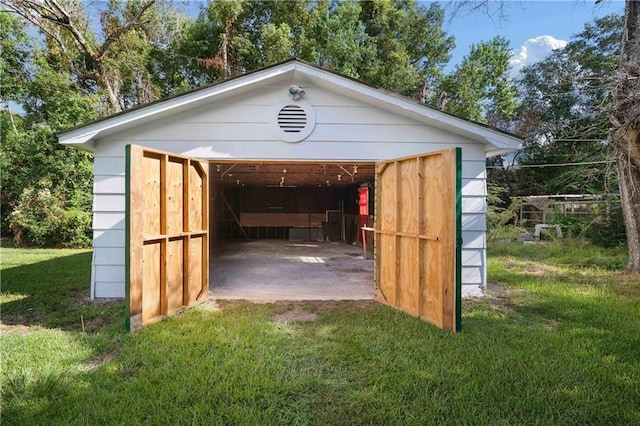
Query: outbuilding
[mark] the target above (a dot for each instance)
(292, 152)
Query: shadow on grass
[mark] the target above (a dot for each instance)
(51, 332)
(53, 293)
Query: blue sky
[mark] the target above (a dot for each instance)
(525, 20)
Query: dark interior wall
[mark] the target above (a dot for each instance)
(290, 200)
(229, 202)
(224, 204)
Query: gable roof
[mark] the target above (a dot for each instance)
(84, 136)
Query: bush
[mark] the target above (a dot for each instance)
(602, 224)
(75, 230)
(43, 219)
(501, 221)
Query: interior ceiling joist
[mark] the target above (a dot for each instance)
(291, 174)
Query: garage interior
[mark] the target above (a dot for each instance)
(291, 230)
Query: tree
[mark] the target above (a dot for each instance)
(480, 86)
(14, 46)
(394, 45)
(563, 116)
(624, 117)
(80, 68)
(346, 46)
(70, 39)
(46, 188)
(624, 113)
(411, 47)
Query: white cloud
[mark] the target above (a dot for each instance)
(534, 50)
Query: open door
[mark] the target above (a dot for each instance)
(418, 236)
(167, 240)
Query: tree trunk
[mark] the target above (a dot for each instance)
(629, 182)
(112, 89)
(625, 137)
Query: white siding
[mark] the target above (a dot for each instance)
(473, 240)
(108, 220)
(346, 129)
(108, 290)
(109, 238)
(108, 202)
(110, 166)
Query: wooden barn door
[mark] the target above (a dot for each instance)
(167, 246)
(417, 249)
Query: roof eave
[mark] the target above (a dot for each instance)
(496, 141)
(81, 135)
(481, 133)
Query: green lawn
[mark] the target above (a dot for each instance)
(557, 342)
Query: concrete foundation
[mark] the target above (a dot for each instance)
(283, 270)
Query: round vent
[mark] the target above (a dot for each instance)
(293, 121)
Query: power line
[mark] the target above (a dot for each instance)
(522, 166)
(579, 140)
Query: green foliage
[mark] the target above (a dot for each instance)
(501, 215)
(602, 223)
(46, 188)
(395, 45)
(53, 101)
(411, 46)
(278, 44)
(480, 85)
(564, 116)
(43, 219)
(14, 53)
(501, 220)
(346, 45)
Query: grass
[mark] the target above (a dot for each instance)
(556, 342)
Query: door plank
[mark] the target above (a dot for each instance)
(417, 221)
(167, 244)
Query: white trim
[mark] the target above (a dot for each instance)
(90, 131)
(92, 292)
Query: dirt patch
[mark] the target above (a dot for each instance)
(101, 359)
(102, 301)
(496, 297)
(497, 289)
(296, 308)
(297, 314)
(8, 330)
(626, 282)
(211, 305)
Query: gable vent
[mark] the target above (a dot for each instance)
(292, 122)
(292, 119)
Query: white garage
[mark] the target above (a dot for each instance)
(296, 153)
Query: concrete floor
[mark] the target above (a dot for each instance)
(286, 270)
